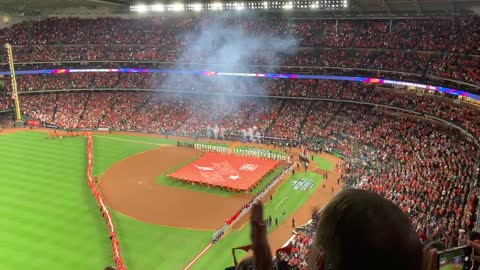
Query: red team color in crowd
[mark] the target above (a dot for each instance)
(428, 169)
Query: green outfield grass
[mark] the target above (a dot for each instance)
(51, 221)
(220, 255)
(168, 181)
(143, 245)
(150, 246)
(323, 164)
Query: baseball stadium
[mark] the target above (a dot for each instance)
(331, 134)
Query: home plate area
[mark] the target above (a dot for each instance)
(236, 173)
(302, 184)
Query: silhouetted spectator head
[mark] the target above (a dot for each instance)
(361, 230)
(436, 245)
(246, 264)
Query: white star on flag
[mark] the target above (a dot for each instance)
(234, 177)
(203, 168)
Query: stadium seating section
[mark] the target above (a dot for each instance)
(419, 49)
(427, 169)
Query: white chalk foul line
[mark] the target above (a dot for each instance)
(127, 140)
(196, 258)
(284, 198)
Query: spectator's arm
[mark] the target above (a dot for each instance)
(261, 249)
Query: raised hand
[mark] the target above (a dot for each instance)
(261, 249)
(430, 259)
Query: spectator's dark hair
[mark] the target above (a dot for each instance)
(436, 245)
(246, 264)
(359, 229)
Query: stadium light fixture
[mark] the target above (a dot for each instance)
(177, 7)
(288, 5)
(196, 7)
(158, 7)
(139, 8)
(256, 5)
(239, 6)
(217, 6)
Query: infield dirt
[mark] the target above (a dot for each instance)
(170, 206)
(130, 188)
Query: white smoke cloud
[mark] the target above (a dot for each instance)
(221, 44)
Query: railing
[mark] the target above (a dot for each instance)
(93, 187)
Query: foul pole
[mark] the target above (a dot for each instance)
(18, 116)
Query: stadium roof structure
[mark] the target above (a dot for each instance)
(356, 8)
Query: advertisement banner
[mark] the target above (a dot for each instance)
(33, 123)
(51, 126)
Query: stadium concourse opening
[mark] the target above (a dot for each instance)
(236, 173)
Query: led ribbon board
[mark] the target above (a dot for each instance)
(445, 90)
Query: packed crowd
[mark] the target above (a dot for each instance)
(428, 175)
(420, 46)
(435, 33)
(5, 103)
(228, 117)
(298, 249)
(431, 175)
(341, 126)
(289, 121)
(428, 172)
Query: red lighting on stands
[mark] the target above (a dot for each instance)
(210, 73)
(61, 71)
